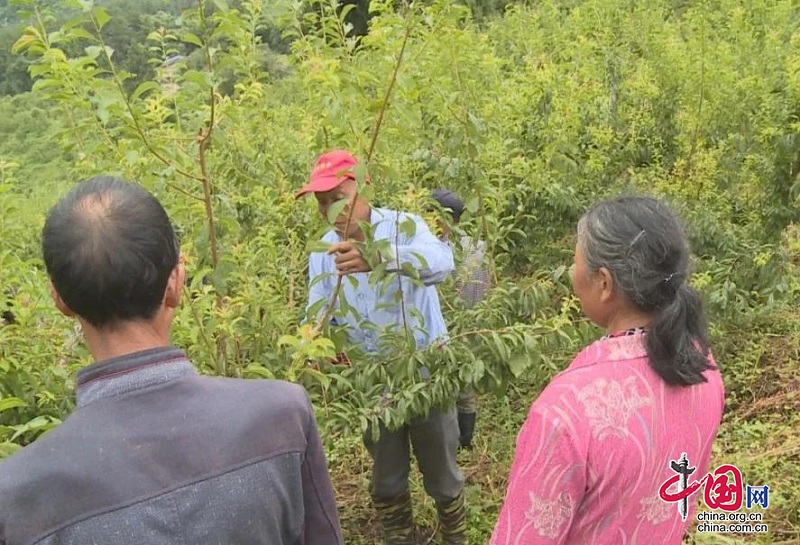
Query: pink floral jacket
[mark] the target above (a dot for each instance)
(596, 447)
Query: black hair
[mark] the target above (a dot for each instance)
(109, 249)
(7, 315)
(642, 244)
(451, 202)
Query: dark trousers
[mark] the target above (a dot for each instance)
(467, 402)
(435, 443)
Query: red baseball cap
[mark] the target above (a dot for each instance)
(330, 170)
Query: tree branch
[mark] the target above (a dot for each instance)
(136, 125)
(203, 140)
(379, 122)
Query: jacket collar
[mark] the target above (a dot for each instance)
(124, 374)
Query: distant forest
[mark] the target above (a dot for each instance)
(127, 32)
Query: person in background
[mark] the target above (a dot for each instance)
(472, 283)
(434, 438)
(598, 443)
(154, 452)
(7, 315)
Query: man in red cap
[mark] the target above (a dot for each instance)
(373, 308)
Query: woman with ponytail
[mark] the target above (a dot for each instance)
(599, 441)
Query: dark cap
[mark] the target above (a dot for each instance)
(449, 200)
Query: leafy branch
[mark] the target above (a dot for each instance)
(701, 99)
(203, 140)
(98, 25)
(53, 63)
(469, 129)
(379, 122)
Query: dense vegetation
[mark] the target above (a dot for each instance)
(532, 113)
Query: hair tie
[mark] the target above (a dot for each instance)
(629, 249)
(636, 238)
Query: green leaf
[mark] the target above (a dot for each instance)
(421, 258)
(7, 449)
(81, 33)
(367, 192)
(288, 340)
(360, 171)
(532, 345)
(195, 76)
(479, 369)
(318, 375)
(259, 371)
(191, 38)
(30, 39)
(221, 275)
(407, 269)
(518, 364)
(344, 10)
(11, 403)
(38, 423)
(102, 17)
(93, 51)
(316, 246)
(47, 83)
(143, 88)
(499, 345)
(316, 308)
(408, 227)
(336, 209)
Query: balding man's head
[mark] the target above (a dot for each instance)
(109, 248)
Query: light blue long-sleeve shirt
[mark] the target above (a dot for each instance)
(378, 304)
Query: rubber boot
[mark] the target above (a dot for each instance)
(466, 426)
(396, 518)
(453, 521)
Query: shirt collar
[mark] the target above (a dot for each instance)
(377, 214)
(609, 350)
(124, 374)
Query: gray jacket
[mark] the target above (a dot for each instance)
(157, 454)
